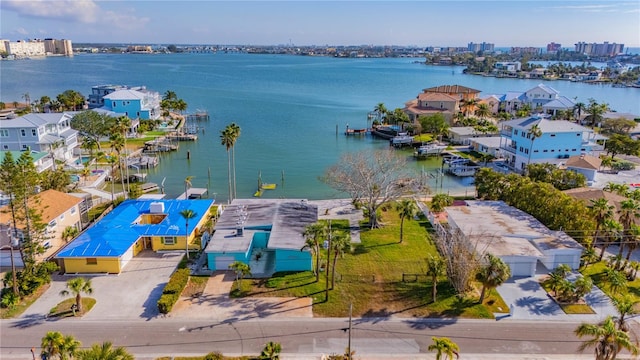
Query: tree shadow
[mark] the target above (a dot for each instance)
(374, 316)
(459, 306)
(28, 321)
(430, 323)
(150, 305)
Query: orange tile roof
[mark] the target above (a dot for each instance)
(451, 89)
(437, 97)
(51, 204)
(584, 162)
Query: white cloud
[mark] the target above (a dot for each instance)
(83, 11)
(22, 31)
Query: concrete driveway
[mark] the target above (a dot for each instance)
(531, 302)
(215, 304)
(134, 293)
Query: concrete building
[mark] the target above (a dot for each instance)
(133, 226)
(21, 48)
(135, 104)
(266, 234)
(50, 132)
(597, 49)
(560, 139)
(58, 47)
(514, 236)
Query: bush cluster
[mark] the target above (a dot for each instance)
(173, 289)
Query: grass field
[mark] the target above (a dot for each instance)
(596, 272)
(381, 277)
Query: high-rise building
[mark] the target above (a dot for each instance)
(553, 47)
(484, 47)
(595, 49)
(58, 47)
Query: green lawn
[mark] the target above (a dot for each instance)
(371, 278)
(63, 309)
(596, 272)
(13, 312)
(570, 308)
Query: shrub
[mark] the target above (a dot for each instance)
(214, 356)
(173, 289)
(623, 166)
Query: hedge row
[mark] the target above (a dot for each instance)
(173, 289)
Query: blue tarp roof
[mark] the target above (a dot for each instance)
(117, 231)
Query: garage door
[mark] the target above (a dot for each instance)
(521, 268)
(223, 262)
(564, 259)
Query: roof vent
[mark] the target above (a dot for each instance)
(156, 208)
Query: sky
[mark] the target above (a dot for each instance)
(504, 23)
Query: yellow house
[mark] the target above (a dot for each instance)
(133, 226)
(58, 210)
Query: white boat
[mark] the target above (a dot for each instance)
(429, 149)
(401, 139)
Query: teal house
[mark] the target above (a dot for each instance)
(266, 234)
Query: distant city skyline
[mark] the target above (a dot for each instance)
(403, 23)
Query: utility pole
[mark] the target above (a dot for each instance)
(326, 286)
(349, 343)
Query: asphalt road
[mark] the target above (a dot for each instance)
(301, 338)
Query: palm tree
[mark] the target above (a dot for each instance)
(445, 348)
(187, 214)
(117, 144)
(226, 139)
(340, 242)
(187, 185)
(606, 339)
(613, 231)
(596, 111)
(69, 233)
(52, 344)
(435, 268)
(483, 111)
(77, 287)
(406, 209)
(491, 275)
(535, 132)
(241, 270)
(105, 351)
(468, 105)
(315, 234)
(381, 111)
(579, 108)
(271, 351)
(235, 131)
(616, 279)
(601, 211)
(625, 305)
(629, 212)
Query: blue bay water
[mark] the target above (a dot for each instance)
(288, 108)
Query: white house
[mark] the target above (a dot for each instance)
(586, 165)
(49, 132)
(514, 236)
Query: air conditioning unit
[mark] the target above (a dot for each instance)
(156, 208)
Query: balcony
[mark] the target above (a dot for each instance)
(509, 148)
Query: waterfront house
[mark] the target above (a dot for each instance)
(50, 132)
(487, 145)
(427, 104)
(560, 139)
(57, 210)
(41, 159)
(134, 103)
(512, 101)
(134, 226)
(266, 234)
(512, 235)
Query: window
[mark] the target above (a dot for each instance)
(34, 132)
(92, 261)
(573, 150)
(4, 133)
(169, 240)
(520, 148)
(528, 135)
(535, 151)
(25, 147)
(5, 147)
(545, 150)
(52, 223)
(23, 132)
(552, 135)
(526, 151)
(47, 245)
(61, 217)
(522, 134)
(515, 132)
(578, 134)
(553, 150)
(73, 210)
